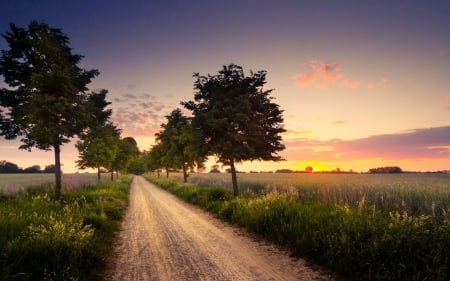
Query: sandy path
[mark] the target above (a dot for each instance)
(163, 238)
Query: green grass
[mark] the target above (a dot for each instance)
(341, 231)
(41, 239)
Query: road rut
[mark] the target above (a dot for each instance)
(164, 238)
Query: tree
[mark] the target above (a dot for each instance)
(50, 169)
(182, 146)
(32, 169)
(386, 170)
(236, 117)
(128, 151)
(8, 167)
(47, 102)
(154, 159)
(98, 148)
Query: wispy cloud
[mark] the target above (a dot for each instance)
(130, 96)
(339, 122)
(382, 83)
(321, 74)
(415, 144)
(139, 114)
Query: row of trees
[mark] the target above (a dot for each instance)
(233, 118)
(8, 167)
(47, 101)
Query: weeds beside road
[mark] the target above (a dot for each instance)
(41, 239)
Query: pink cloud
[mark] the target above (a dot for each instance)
(304, 80)
(321, 75)
(351, 85)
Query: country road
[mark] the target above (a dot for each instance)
(163, 238)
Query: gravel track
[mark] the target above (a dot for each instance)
(164, 238)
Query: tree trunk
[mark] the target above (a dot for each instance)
(185, 176)
(167, 172)
(98, 174)
(58, 177)
(112, 175)
(234, 179)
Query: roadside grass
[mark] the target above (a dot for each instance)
(358, 240)
(41, 239)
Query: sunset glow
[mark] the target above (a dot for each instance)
(362, 83)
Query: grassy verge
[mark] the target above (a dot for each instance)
(41, 239)
(362, 242)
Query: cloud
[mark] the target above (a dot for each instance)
(351, 85)
(427, 143)
(139, 115)
(322, 74)
(381, 83)
(130, 96)
(339, 122)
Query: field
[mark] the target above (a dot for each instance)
(418, 194)
(363, 226)
(13, 183)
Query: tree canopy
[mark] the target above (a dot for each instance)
(47, 102)
(98, 148)
(180, 145)
(236, 117)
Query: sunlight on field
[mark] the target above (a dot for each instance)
(416, 193)
(11, 183)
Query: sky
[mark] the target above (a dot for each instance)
(362, 83)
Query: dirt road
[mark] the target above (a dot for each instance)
(163, 238)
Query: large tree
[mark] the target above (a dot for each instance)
(237, 118)
(47, 100)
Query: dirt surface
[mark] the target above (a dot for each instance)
(163, 238)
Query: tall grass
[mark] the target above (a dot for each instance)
(418, 194)
(41, 239)
(16, 183)
(360, 240)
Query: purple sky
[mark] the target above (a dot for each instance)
(362, 83)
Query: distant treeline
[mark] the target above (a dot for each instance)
(11, 168)
(309, 170)
(386, 170)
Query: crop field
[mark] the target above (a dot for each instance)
(12, 183)
(418, 194)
